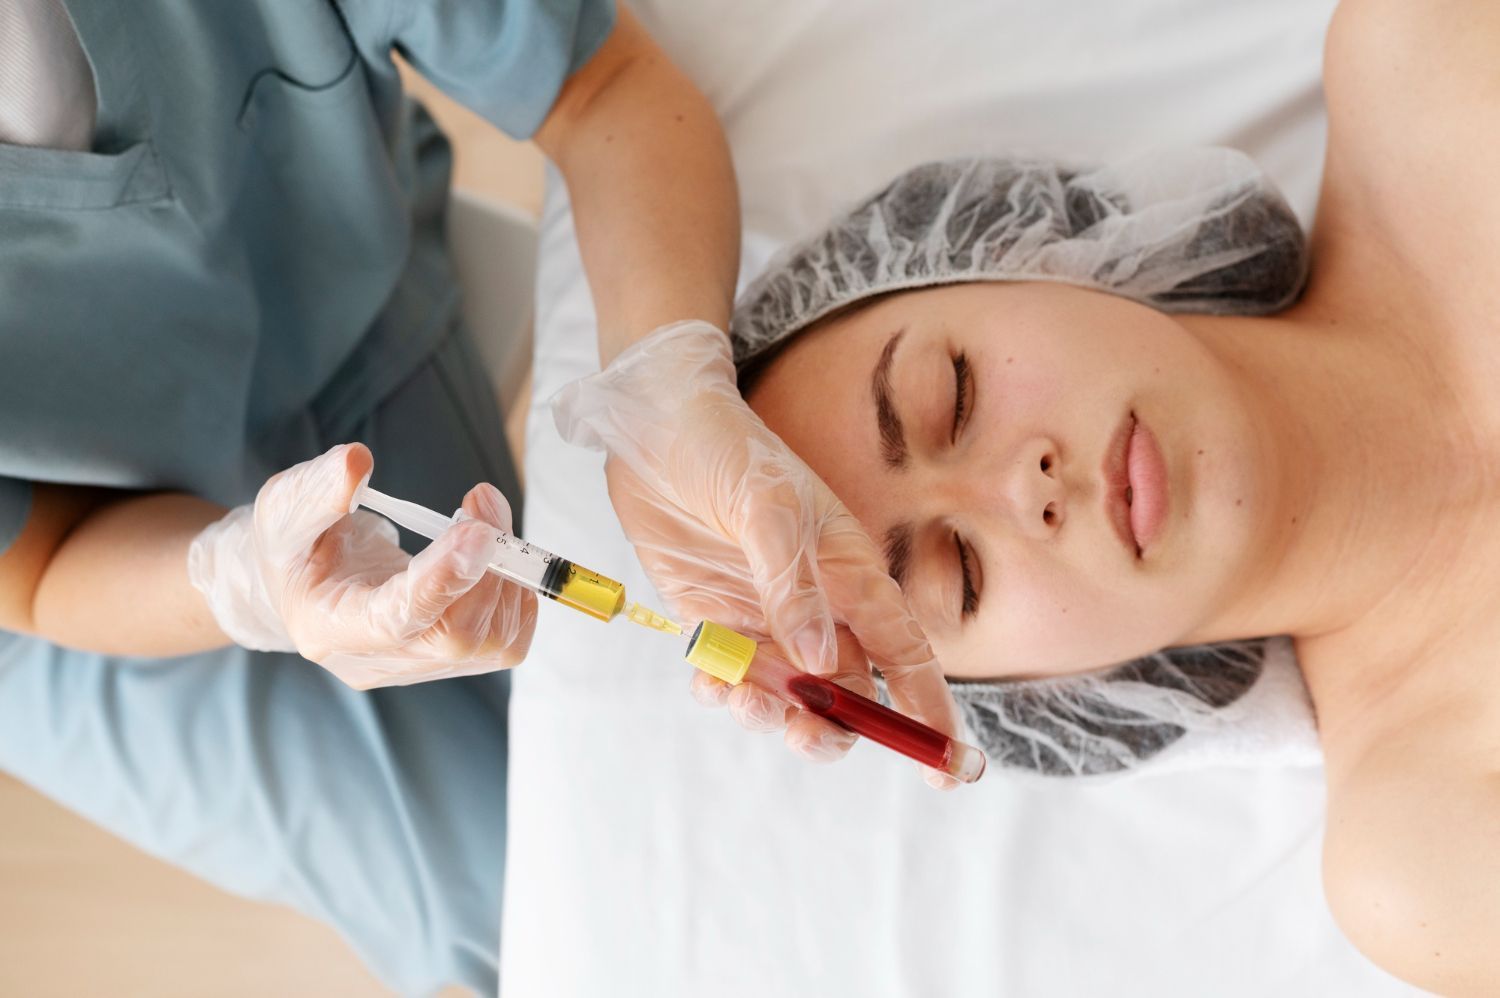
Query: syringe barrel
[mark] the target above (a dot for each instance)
(515, 559)
(521, 561)
(557, 578)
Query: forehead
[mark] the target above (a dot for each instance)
(816, 392)
(981, 312)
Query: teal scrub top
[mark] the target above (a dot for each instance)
(252, 255)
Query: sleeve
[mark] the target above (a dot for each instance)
(504, 59)
(15, 508)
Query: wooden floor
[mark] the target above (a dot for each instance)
(81, 913)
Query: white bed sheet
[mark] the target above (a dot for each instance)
(655, 849)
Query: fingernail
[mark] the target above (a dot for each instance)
(761, 712)
(343, 470)
(819, 752)
(937, 780)
(474, 550)
(823, 749)
(708, 691)
(759, 720)
(496, 506)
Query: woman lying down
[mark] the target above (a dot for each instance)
(1096, 413)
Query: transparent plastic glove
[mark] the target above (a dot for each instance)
(297, 571)
(733, 527)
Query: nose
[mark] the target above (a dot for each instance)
(1032, 489)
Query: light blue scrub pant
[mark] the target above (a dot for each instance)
(380, 813)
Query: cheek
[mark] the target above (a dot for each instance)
(1059, 385)
(1051, 620)
(1026, 379)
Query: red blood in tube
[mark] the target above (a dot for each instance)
(871, 719)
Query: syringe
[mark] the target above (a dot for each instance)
(717, 650)
(522, 562)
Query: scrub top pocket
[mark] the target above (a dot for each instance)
(63, 180)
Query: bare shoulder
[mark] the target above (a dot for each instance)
(1411, 861)
(1434, 59)
(1414, 84)
(1412, 91)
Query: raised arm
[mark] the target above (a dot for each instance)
(653, 189)
(692, 467)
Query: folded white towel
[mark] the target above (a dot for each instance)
(1273, 724)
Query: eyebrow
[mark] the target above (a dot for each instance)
(898, 551)
(887, 420)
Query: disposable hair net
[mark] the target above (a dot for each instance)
(1191, 231)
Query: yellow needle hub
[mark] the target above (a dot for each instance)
(647, 617)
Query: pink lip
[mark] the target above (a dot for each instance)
(1116, 475)
(1133, 464)
(1148, 486)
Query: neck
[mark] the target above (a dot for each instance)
(1372, 480)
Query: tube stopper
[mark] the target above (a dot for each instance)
(720, 652)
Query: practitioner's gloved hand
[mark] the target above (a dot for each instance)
(733, 527)
(297, 571)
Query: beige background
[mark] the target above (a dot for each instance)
(82, 913)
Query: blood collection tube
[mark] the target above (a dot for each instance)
(734, 658)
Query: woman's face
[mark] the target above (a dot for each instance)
(1060, 478)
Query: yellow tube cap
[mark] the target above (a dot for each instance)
(720, 652)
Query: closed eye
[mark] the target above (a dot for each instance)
(961, 403)
(970, 603)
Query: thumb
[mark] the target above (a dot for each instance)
(297, 505)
